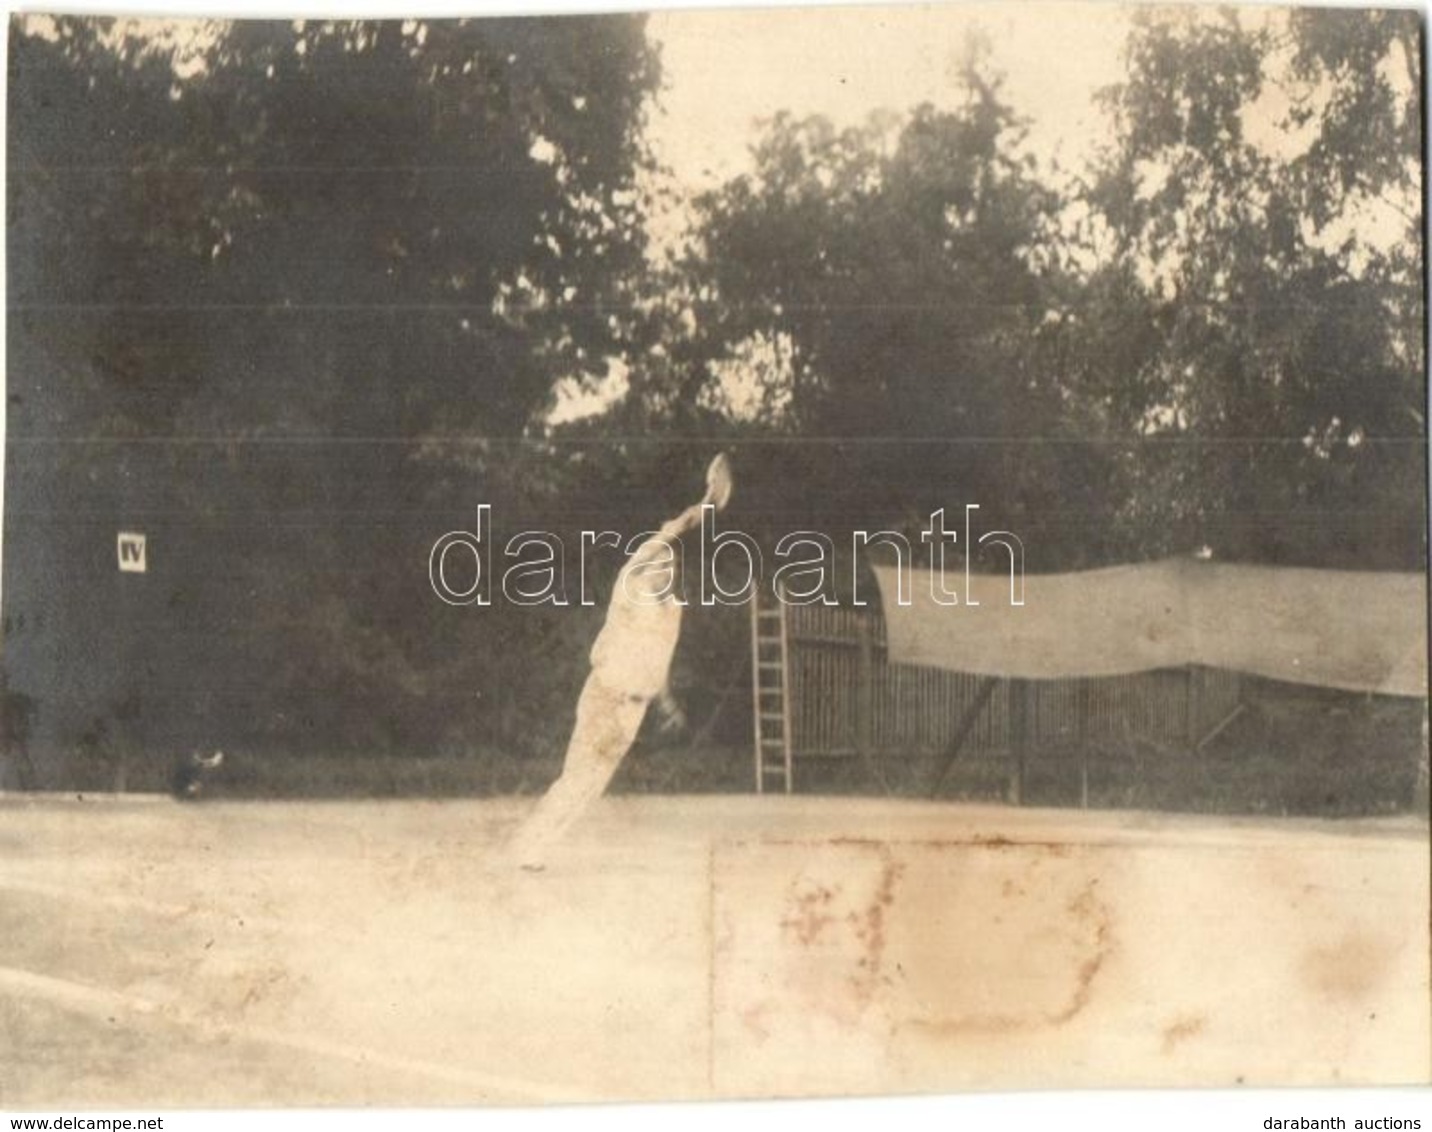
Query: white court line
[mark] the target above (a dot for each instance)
(99, 1001)
(112, 902)
(80, 796)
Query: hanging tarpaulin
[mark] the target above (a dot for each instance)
(1361, 631)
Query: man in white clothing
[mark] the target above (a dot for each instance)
(631, 660)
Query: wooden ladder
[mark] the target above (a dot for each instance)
(770, 687)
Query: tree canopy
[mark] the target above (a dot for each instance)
(290, 296)
(295, 297)
(1214, 337)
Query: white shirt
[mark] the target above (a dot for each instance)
(632, 653)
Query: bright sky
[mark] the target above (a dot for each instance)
(727, 69)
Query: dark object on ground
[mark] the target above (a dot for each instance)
(193, 773)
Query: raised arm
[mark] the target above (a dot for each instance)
(661, 540)
(718, 492)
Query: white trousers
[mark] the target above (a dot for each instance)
(607, 724)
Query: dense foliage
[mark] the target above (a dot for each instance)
(293, 298)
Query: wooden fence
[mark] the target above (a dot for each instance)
(847, 699)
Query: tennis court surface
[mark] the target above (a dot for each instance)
(291, 954)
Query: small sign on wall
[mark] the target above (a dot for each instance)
(132, 559)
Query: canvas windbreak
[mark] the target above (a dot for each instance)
(1360, 631)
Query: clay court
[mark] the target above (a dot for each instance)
(291, 954)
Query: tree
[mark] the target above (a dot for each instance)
(267, 279)
(886, 294)
(1260, 206)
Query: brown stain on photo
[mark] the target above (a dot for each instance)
(869, 927)
(810, 913)
(838, 937)
(1091, 914)
(1350, 969)
(1068, 953)
(756, 1020)
(1055, 849)
(1181, 1030)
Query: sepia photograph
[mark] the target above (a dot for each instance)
(707, 555)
